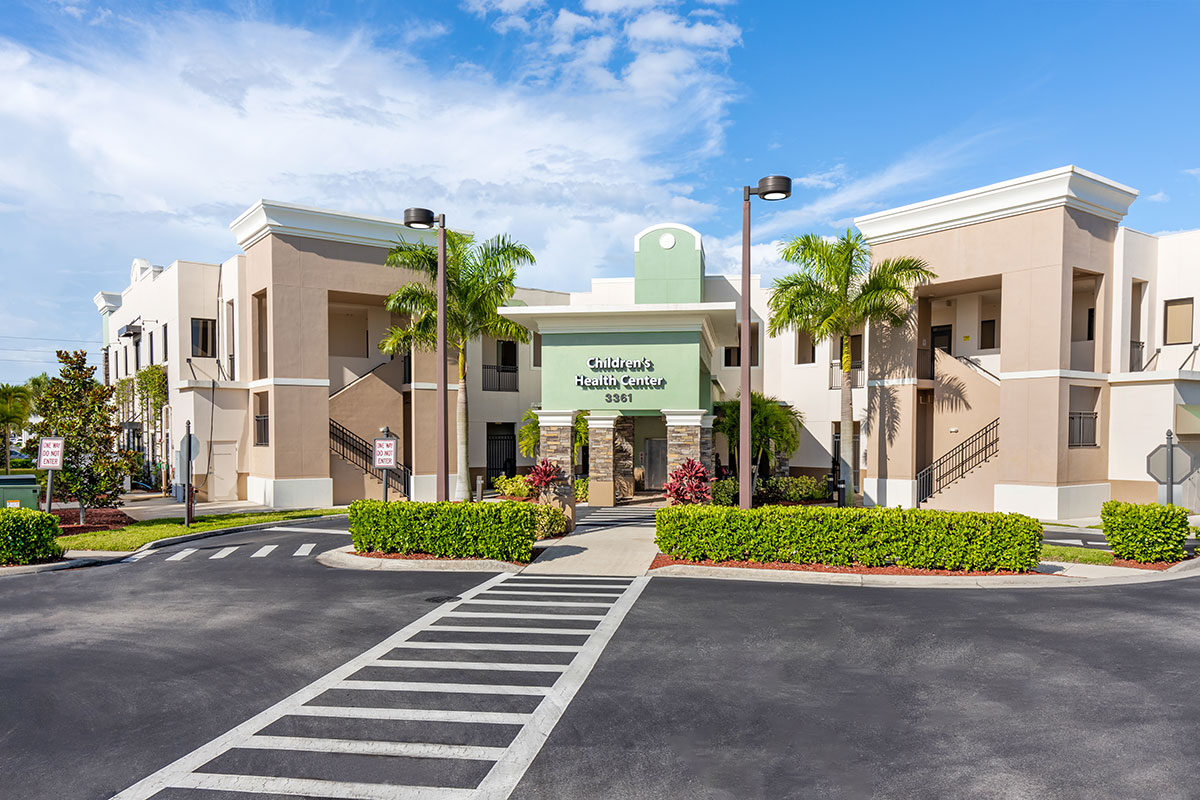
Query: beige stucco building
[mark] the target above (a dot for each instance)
(1046, 360)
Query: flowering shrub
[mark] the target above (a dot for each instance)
(544, 475)
(688, 484)
(516, 486)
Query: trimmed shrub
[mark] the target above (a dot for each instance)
(28, 536)
(725, 492)
(872, 537)
(688, 484)
(791, 490)
(544, 474)
(581, 490)
(1145, 533)
(516, 486)
(551, 521)
(504, 531)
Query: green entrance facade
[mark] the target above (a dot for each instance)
(637, 358)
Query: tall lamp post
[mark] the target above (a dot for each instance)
(772, 187)
(424, 219)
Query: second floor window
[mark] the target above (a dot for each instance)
(733, 355)
(1177, 321)
(204, 338)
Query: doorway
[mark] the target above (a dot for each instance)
(501, 450)
(942, 338)
(656, 464)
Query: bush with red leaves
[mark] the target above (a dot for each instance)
(544, 475)
(688, 484)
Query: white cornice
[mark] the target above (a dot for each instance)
(637, 240)
(107, 302)
(1069, 187)
(716, 321)
(267, 216)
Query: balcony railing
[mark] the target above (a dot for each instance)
(925, 358)
(499, 378)
(857, 375)
(1081, 429)
(262, 428)
(1137, 353)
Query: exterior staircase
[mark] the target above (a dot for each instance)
(358, 452)
(942, 484)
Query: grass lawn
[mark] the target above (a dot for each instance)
(1077, 555)
(131, 537)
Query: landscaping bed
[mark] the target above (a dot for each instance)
(95, 519)
(664, 560)
(135, 534)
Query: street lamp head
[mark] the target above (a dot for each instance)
(775, 187)
(419, 218)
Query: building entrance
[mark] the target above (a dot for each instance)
(655, 468)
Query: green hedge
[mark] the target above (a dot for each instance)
(1145, 533)
(551, 521)
(516, 486)
(791, 489)
(505, 531)
(28, 536)
(873, 537)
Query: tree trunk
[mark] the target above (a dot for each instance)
(846, 438)
(82, 513)
(462, 491)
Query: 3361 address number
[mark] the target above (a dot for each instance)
(620, 397)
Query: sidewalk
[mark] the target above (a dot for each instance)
(607, 541)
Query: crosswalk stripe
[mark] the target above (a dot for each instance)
(304, 549)
(370, 748)
(309, 787)
(182, 554)
(452, 688)
(413, 714)
(138, 556)
(535, 603)
(538, 593)
(222, 553)
(495, 666)
(525, 648)
(499, 629)
(535, 588)
(496, 615)
(263, 551)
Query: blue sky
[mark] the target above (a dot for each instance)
(141, 129)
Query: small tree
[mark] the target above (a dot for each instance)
(529, 436)
(79, 409)
(774, 426)
(15, 403)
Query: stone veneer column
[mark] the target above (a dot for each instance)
(706, 444)
(623, 458)
(782, 466)
(557, 446)
(601, 439)
(683, 436)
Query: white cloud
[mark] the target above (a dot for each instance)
(825, 179)
(1195, 172)
(662, 28)
(1157, 197)
(618, 6)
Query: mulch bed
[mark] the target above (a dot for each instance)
(97, 519)
(1158, 566)
(664, 560)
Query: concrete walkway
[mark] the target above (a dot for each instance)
(607, 541)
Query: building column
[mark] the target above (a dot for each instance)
(601, 439)
(706, 444)
(557, 429)
(623, 458)
(683, 436)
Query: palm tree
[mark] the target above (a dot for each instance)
(15, 403)
(529, 436)
(837, 290)
(479, 279)
(774, 426)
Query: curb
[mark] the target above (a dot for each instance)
(258, 526)
(53, 566)
(344, 558)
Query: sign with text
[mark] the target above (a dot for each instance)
(12, 504)
(50, 452)
(385, 453)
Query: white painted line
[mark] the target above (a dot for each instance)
(508, 771)
(536, 603)
(451, 688)
(180, 772)
(522, 615)
(496, 666)
(263, 551)
(534, 588)
(298, 529)
(415, 714)
(222, 553)
(498, 629)
(413, 749)
(304, 550)
(553, 594)
(182, 554)
(520, 648)
(307, 787)
(140, 555)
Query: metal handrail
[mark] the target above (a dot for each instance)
(1081, 428)
(1137, 351)
(856, 374)
(358, 451)
(976, 365)
(500, 378)
(978, 448)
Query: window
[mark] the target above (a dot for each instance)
(806, 349)
(150, 348)
(733, 355)
(506, 354)
(204, 338)
(164, 340)
(1177, 321)
(987, 334)
(1083, 402)
(537, 350)
(125, 349)
(262, 419)
(1091, 325)
(259, 315)
(856, 351)
(137, 355)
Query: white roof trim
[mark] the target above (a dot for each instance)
(637, 240)
(268, 216)
(107, 302)
(1068, 186)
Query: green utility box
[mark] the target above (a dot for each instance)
(19, 491)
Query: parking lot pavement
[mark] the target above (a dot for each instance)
(291, 542)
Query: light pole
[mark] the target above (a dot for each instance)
(424, 219)
(772, 187)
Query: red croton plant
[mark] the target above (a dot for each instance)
(687, 484)
(544, 475)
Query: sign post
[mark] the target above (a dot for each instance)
(50, 458)
(1169, 464)
(385, 457)
(187, 473)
